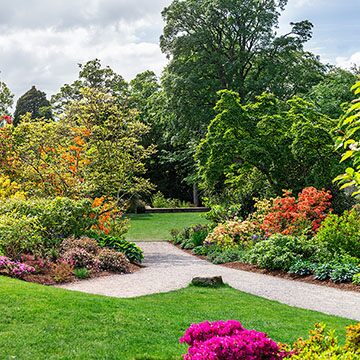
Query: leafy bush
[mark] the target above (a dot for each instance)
(113, 261)
(342, 233)
(37, 226)
(191, 237)
(82, 273)
(158, 200)
(20, 234)
(131, 250)
(344, 272)
(302, 268)
(225, 255)
(324, 345)
(39, 264)
(62, 271)
(219, 214)
(280, 252)
(226, 340)
(356, 279)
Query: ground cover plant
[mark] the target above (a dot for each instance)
(149, 327)
(157, 226)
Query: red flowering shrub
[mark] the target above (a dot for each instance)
(291, 216)
(228, 340)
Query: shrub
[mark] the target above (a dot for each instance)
(221, 256)
(324, 345)
(219, 214)
(131, 250)
(229, 340)
(342, 233)
(290, 216)
(81, 258)
(158, 200)
(302, 268)
(233, 233)
(190, 237)
(356, 279)
(20, 234)
(62, 271)
(113, 261)
(207, 330)
(15, 268)
(280, 252)
(82, 273)
(341, 269)
(39, 264)
(344, 272)
(89, 245)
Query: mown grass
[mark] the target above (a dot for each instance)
(40, 322)
(157, 226)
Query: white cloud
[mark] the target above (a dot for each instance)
(348, 62)
(42, 42)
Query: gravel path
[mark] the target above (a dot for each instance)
(168, 268)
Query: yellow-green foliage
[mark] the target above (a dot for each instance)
(10, 189)
(324, 345)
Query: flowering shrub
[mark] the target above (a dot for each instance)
(80, 258)
(228, 340)
(207, 330)
(15, 268)
(233, 233)
(85, 243)
(39, 264)
(113, 261)
(290, 216)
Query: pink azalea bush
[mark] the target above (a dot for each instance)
(229, 340)
(15, 268)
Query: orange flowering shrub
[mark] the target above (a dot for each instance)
(291, 216)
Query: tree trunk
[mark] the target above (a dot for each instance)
(195, 195)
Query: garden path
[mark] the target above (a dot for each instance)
(168, 268)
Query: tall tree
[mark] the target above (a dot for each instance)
(228, 44)
(6, 99)
(91, 75)
(34, 102)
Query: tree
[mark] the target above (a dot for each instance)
(333, 91)
(34, 102)
(6, 99)
(91, 75)
(228, 44)
(286, 144)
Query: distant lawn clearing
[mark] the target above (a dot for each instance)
(39, 322)
(157, 226)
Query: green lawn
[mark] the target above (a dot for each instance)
(47, 323)
(157, 227)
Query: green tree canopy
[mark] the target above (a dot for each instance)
(228, 44)
(91, 75)
(34, 102)
(286, 144)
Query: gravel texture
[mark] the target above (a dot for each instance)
(168, 268)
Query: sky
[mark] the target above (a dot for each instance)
(42, 41)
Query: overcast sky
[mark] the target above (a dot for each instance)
(42, 41)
